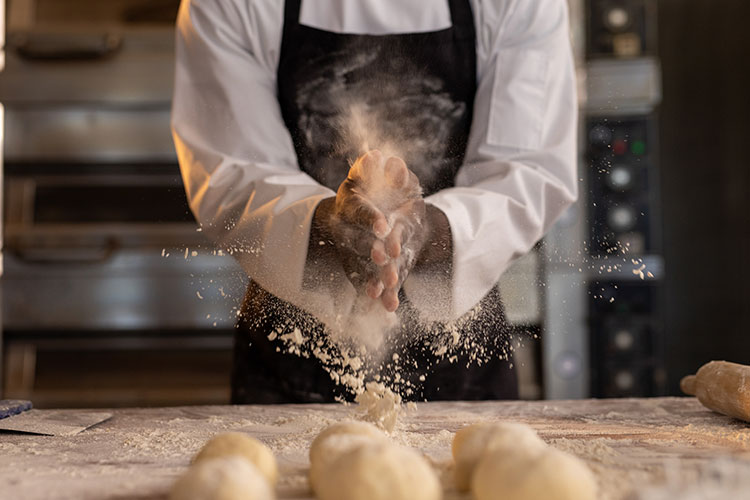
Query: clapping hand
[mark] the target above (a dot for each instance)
(378, 225)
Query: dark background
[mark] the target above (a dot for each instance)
(704, 47)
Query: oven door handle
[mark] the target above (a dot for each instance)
(65, 47)
(81, 255)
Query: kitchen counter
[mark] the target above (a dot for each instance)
(138, 453)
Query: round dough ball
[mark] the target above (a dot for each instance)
(221, 478)
(380, 471)
(472, 442)
(551, 475)
(348, 427)
(249, 448)
(330, 449)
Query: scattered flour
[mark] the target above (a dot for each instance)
(139, 453)
(379, 405)
(598, 450)
(721, 479)
(377, 349)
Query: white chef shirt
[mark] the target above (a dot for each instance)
(249, 195)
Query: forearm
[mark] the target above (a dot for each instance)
(321, 249)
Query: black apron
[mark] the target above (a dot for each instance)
(340, 95)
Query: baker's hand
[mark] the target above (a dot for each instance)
(378, 225)
(396, 253)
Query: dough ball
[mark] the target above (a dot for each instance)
(472, 442)
(550, 475)
(330, 449)
(349, 427)
(221, 478)
(379, 471)
(249, 448)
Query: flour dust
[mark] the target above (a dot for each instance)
(349, 102)
(347, 108)
(399, 353)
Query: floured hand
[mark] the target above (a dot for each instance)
(378, 222)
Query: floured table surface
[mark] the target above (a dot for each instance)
(138, 453)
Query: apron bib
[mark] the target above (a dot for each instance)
(409, 95)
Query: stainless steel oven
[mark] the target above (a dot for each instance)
(109, 247)
(106, 277)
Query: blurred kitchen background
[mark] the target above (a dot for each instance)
(111, 297)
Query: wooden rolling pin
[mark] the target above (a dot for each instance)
(722, 387)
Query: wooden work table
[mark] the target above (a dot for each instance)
(628, 443)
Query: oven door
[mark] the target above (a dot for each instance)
(110, 248)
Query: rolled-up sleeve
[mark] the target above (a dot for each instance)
(236, 156)
(520, 172)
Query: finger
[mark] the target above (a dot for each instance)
(374, 288)
(360, 212)
(412, 185)
(394, 240)
(378, 253)
(371, 161)
(368, 215)
(396, 172)
(390, 299)
(389, 275)
(380, 227)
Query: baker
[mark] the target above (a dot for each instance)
(467, 107)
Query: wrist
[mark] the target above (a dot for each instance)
(437, 250)
(320, 245)
(320, 228)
